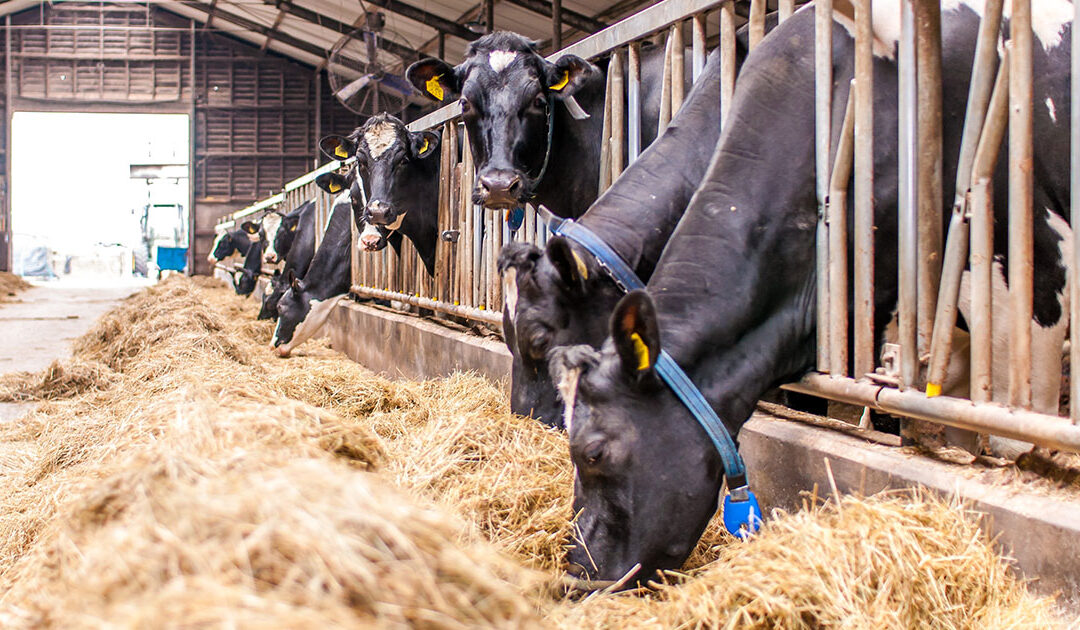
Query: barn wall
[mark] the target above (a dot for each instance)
(253, 112)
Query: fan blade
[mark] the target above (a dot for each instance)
(353, 87)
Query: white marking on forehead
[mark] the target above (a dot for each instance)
(510, 292)
(1050, 108)
(380, 137)
(568, 386)
(500, 59)
(271, 224)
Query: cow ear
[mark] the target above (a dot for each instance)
(635, 331)
(250, 227)
(568, 74)
(337, 147)
(424, 143)
(332, 183)
(572, 268)
(434, 78)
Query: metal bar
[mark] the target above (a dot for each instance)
(727, 60)
(192, 260)
(929, 194)
(556, 24)
(864, 192)
(493, 318)
(417, 14)
(1074, 290)
(665, 90)
(618, 116)
(655, 18)
(787, 7)
(1021, 240)
(337, 26)
(678, 72)
(757, 22)
(981, 257)
(698, 41)
(822, 138)
(1042, 429)
(838, 259)
(605, 138)
(633, 101)
(908, 233)
(7, 232)
(489, 16)
(956, 246)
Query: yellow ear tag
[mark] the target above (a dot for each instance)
(433, 86)
(334, 187)
(642, 352)
(424, 148)
(340, 152)
(562, 83)
(582, 268)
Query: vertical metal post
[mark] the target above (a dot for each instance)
(727, 59)
(633, 101)
(556, 24)
(318, 119)
(864, 191)
(605, 134)
(665, 90)
(1074, 268)
(908, 223)
(699, 42)
(618, 114)
(678, 73)
(193, 224)
(956, 246)
(1021, 238)
(929, 195)
(489, 15)
(787, 7)
(982, 237)
(822, 137)
(757, 22)
(838, 259)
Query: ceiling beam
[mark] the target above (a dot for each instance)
(273, 30)
(570, 18)
(429, 19)
(407, 54)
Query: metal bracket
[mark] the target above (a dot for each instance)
(450, 236)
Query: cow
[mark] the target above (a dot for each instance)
(732, 298)
(559, 296)
(246, 278)
(509, 96)
(308, 301)
(231, 243)
(281, 229)
(297, 249)
(399, 170)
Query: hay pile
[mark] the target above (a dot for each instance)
(202, 479)
(11, 284)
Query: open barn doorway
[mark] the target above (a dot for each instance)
(99, 198)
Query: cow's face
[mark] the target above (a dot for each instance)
(646, 475)
(292, 308)
(552, 298)
(392, 161)
(504, 87)
(244, 281)
(222, 249)
(268, 310)
(372, 237)
(271, 229)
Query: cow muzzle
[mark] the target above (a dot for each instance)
(499, 189)
(379, 212)
(270, 259)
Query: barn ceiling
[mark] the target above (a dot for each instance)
(307, 30)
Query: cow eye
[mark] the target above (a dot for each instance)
(594, 452)
(539, 102)
(466, 106)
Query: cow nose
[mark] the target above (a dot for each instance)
(501, 187)
(270, 259)
(370, 242)
(378, 212)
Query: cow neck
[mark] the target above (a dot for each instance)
(324, 277)
(638, 213)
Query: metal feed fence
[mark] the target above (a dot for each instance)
(466, 283)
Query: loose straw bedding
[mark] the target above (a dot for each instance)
(176, 474)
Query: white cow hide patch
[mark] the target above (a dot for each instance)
(271, 224)
(510, 292)
(500, 59)
(379, 138)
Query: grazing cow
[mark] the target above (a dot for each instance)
(560, 296)
(308, 301)
(510, 95)
(732, 299)
(231, 243)
(399, 170)
(297, 248)
(247, 277)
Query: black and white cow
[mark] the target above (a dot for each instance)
(504, 86)
(281, 229)
(560, 296)
(399, 170)
(229, 244)
(308, 301)
(295, 241)
(732, 298)
(246, 278)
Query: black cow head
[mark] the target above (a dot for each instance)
(504, 86)
(226, 244)
(552, 298)
(244, 281)
(647, 477)
(292, 308)
(372, 237)
(393, 162)
(268, 309)
(276, 241)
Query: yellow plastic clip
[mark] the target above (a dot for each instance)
(562, 82)
(341, 152)
(642, 352)
(433, 86)
(933, 390)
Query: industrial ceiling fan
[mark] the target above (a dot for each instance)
(366, 78)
